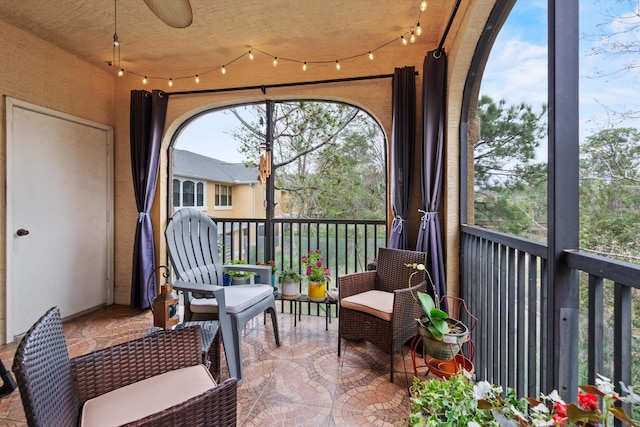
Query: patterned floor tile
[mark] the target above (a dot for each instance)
(302, 382)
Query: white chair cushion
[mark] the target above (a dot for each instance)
(376, 303)
(238, 298)
(146, 397)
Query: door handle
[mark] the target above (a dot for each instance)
(22, 232)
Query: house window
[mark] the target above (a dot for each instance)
(188, 193)
(223, 195)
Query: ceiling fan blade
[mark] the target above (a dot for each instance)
(174, 13)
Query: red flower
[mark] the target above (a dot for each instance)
(561, 410)
(587, 401)
(559, 420)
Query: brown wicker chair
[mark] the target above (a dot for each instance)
(391, 276)
(54, 388)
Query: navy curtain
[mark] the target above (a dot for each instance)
(433, 99)
(403, 137)
(148, 113)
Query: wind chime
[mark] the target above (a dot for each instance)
(264, 168)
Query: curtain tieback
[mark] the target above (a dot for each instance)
(425, 217)
(397, 224)
(141, 216)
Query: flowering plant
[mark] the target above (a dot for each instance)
(271, 263)
(551, 410)
(317, 271)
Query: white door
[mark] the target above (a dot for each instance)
(59, 199)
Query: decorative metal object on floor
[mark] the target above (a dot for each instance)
(8, 383)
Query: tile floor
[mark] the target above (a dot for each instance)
(301, 383)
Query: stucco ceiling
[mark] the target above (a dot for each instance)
(223, 30)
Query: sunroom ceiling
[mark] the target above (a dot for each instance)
(223, 30)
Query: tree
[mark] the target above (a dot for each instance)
(610, 193)
(510, 187)
(328, 157)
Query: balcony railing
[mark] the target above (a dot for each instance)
(347, 245)
(504, 281)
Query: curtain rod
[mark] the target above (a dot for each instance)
(446, 30)
(264, 88)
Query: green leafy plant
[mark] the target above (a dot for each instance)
(316, 269)
(446, 403)
(436, 319)
(238, 273)
(289, 275)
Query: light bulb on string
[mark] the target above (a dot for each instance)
(304, 66)
(251, 55)
(145, 81)
(170, 82)
(418, 30)
(338, 65)
(371, 55)
(423, 5)
(412, 39)
(197, 79)
(223, 70)
(404, 41)
(120, 72)
(275, 61)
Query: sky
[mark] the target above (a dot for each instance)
(517, 66)
(516, 71)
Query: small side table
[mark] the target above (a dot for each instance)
(210, 343)
(297, 307)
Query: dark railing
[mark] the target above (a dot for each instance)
(504, 281)
(347, 245)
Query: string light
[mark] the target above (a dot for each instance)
(120, 72)
(411, 37)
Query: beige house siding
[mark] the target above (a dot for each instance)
(38, 72)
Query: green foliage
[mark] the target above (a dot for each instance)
(446, 403)
(328, 157)
(289, 276)
(510, 188)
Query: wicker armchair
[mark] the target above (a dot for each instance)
(377, 306)
(58, 391)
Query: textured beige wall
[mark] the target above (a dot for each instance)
(37, 72)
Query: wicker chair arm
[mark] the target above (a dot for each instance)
(108, 369)
(215, 407)
(405, 308)
(356, 283)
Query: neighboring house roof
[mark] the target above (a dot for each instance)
(192, 165)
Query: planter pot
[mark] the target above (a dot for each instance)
(450, 344)
(446, 368)
(290, 290)
(316, 291)
(241, 280)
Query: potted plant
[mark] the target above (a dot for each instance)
(442, 336)
(271, 263)
(290, 283)
(239, 277)
(318, 275)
